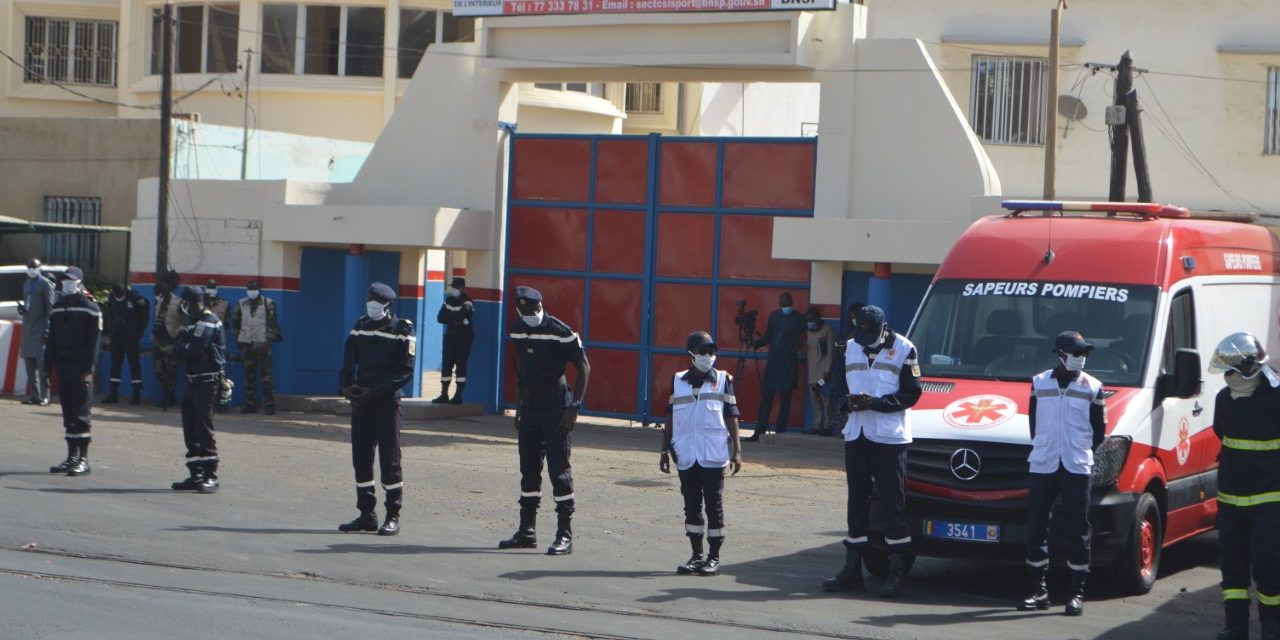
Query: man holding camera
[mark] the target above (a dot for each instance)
(782, 367)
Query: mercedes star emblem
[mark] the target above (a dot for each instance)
(965, 464)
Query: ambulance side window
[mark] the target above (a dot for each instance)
(1181, 333)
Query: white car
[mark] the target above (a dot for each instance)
(12, 279)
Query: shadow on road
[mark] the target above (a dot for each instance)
(1181, 617)
(536, 574)
(91, 490)
(396, 549)
(266, 531)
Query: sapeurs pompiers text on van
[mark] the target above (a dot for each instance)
(1154, 289)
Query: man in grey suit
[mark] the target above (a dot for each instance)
(37, 294)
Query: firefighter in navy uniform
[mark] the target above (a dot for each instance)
(202, 348)
(701, 437)
(455, 314)
(1247, 419)
(128, 315)
(883, 374)
(376, 362)
(71, 349)
(1068, 419)
(545, 416)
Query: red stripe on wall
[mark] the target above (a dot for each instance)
(412, 291)
(224, 280)
(461, 273)
(435, 276)
(485, 295)
(11, 367)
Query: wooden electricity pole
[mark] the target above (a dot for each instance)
(1051, 104)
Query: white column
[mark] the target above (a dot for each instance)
(390, 59)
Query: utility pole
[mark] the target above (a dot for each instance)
(1051, 105)
(1119, 130)
(1133, 116)
(244, 140)
(166, 128)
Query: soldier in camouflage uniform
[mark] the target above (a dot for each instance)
(164, 332)
(255, 327)
(219, 306)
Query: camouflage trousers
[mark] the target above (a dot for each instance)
(165, 363)
(257, 362)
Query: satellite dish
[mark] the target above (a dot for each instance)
(1071, 108)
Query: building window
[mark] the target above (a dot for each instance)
(421, 28)
(590, 88)
(1007, 99)
(644, 97)
(79, 249)
(70, 51)
(1271, 145)
(324, 40)
(205, 38)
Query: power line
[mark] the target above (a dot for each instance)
(47, 80)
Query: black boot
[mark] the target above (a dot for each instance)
(391, 526)
(524, 537)
(208, 484)
(849, 578)
(443, 398)
(696, 560)
(137, 394)
(366, 521)
(897, 578)
(189, 484)
(66, 465)
(1037, 590)
(1075, 606)
(457, 393)
(81, 467)
(113, 396)
(563, 544)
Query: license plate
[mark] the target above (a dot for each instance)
(964, 531)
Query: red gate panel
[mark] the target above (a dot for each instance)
(617, 243)
(688, 174)
(622, 171)
(768, 175)
(556, 169)
(679, 309)
(686, 244)
(616, 310)
(746, 251)
(550, 238)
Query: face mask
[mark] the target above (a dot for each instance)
(703, 362)
(786, 311)
(119, 299)
(252, 293)
(1073, 363)
(70, 287)
(31, 273)
(375, 310)
(450, 292)
(533, 320)
(877, 342)
(1240, 386)
(813, 326)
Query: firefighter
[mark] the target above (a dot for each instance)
(883, 374)
(1068, 420)
(75, 327)
(545, 416)
(1246, 417)
(202, 348)
(127, 314)
(701, 436)
(377, 361)
(455, 314)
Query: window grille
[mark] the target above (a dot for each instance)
(644, 97)
(70, 51)
(1008, 99)
(1271, 143)
(79, 249)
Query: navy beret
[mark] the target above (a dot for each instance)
(382, 292)
(74, 273)
(458, 282)
(528, 295)
(192, 294)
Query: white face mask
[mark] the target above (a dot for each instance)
(450, 292)
(376, 310)
(70, 287)
(703, 362)
(1073, 363)
(1241, 386)
(32, 273)
(533, 320)
(252, 293)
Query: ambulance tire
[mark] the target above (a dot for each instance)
(1138, 563)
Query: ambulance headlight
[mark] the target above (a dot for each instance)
(1108, 460)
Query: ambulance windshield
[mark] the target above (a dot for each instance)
(1004, 330)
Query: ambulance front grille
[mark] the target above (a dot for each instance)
(1003, 466)
(931, 386)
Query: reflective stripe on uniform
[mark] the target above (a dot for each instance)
(1249, 501)
(1235, 594)
(682, 400)
(694, 528)
(1038, 563)
(530, 494)
(1046, 393)
(1269, 601)
(856, 366)
(564, 498)
(1074, 393)
(74, 436)
(891, 542)
(364, 485)
(857, 540)
(383, 334)
(715, 533)
(393, 487)
(544, 336)
(1251, 445)
(1077, 567)
(78, 309)
(885, 366)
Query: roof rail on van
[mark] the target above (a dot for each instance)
(1146, 210)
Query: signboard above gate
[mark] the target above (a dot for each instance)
(563, 7)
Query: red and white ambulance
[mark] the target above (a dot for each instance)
(1155, 290)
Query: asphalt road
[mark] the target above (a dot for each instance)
(118, 555)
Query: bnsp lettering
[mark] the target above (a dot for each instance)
(1242, 261)
(1047, 290)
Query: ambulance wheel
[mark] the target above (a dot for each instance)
(1136, 567)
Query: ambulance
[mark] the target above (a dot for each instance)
(1154, 289)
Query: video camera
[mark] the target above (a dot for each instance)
(746, 321)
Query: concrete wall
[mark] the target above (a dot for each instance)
(759, 109)
(207, 151)
(82, 157)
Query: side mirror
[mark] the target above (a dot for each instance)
(1185, 380)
